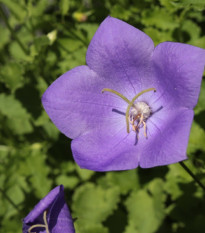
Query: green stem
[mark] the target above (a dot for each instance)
(192, 175)
(13, 33)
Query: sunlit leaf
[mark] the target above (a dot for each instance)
(159, 18)
(81, 226)
(17, 8)
(4, 32)
(68, 181)
(196, 139)
(16, 115)
(64, 6)
(124, 180)
(92, 203)
(145, 213)
(84, 174)
(35, 166)
(12, 75)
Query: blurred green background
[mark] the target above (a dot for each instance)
(39, 41)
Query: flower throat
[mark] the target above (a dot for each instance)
(136, 113)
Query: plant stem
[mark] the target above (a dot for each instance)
(192, 175)
(13, 33)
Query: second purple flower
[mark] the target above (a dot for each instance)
(50, 215)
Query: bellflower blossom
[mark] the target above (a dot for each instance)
(50, 215)
(132, 104)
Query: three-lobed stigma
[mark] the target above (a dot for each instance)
(136, 113)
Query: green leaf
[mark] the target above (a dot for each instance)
(199, 3)
(172, 6)
(94, 204)
(15, 193)
(12, 75)
(84, 174)
(81, 226)
(159, 18)
(191, 28)
(124, 180)
(156, 188)
(176, 176)
(175, 170)
(201, 102)
(90, 29)
(18, 54)
(36, 169)
(16, 115)
(67, 167)
(68, 45)
(38, 8)
(76, 58)
(64, 6)
(120, 12)
(199, 42)
(11, 225)
(4, 151)
(158, 36)
(145, 212)
(74, 52)
(41, 42)
(41, 85)
(68, 181)
(196, 139)
(4, 32)
(44, 121)
(17, 8)
(187, 209)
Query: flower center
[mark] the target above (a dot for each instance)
(136, 113)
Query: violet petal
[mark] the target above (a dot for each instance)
(121, 53)
(58, 215)
(179, 70)
(75, 102)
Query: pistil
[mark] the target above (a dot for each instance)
(140, 110)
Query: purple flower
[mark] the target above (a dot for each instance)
(144, 115)
(50, 215)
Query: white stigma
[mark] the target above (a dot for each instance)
(140, 108)
(139, 113)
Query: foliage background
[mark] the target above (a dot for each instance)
(40, 40)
